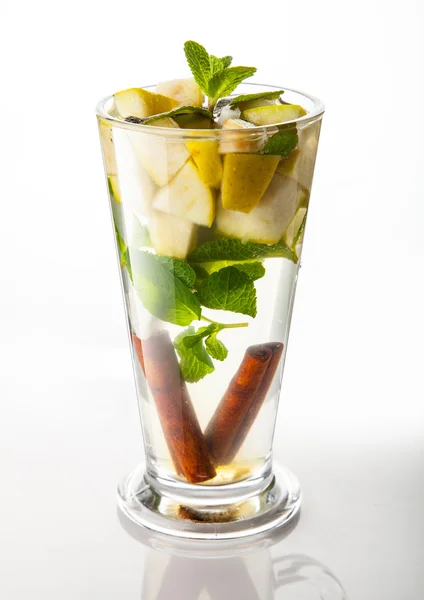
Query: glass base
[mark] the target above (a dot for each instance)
(234, 512)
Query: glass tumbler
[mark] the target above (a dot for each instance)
(209, 226)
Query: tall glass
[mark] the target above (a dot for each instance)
(209, 228)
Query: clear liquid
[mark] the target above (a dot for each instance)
(275, 293)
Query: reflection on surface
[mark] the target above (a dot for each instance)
(230, 570)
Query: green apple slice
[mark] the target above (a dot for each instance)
(269, 115)
(208, 161)
(170, 235)
(187, 197)
(137, 102)
(184, 91)
(161, 159)
(268, 221)
(245, 179)
(137, 188)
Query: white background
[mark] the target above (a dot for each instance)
(353, 412)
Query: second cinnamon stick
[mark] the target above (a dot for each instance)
(255, 406)
(233, 408)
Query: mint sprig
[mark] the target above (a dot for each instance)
(229, 289)
(195, 362)
(193, 348)
(214, 75)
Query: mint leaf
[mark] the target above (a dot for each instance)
(232, 249)
(281, 143)
(214, 75)
(259, 96)
(198, 61)
(201, 273)
(254, 269)
(216, 348)
(218, 64)
(180, 269)
(164, 295)
(229, 289)
(195, 362)
(226, 81)
(181, 110)
(191, 340)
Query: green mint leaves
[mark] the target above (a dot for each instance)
(216, 348)
(214, 75)
(229, 289)
(195, 350)
(236, 250)
(180, 269)
(253, 268)
(195, 362)
(226, 81)
(161, 290)
(181, 110)
(282, 143)
(259, 96)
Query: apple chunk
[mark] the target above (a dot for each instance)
(137, 188)
(161, 158)
(184, 91)
(301, 162)
(245, 179)
(187, 197)
(208, 161)
(137, 102)
(268, 221)
(235, 141)
(170, 235)
(269, 115)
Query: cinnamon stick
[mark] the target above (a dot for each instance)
(234, 406)
(254, 408)
(178, 419)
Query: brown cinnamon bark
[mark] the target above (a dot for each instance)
(178, 419)
(254, 408)
(234, 406)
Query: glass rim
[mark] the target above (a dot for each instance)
(313, 115)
